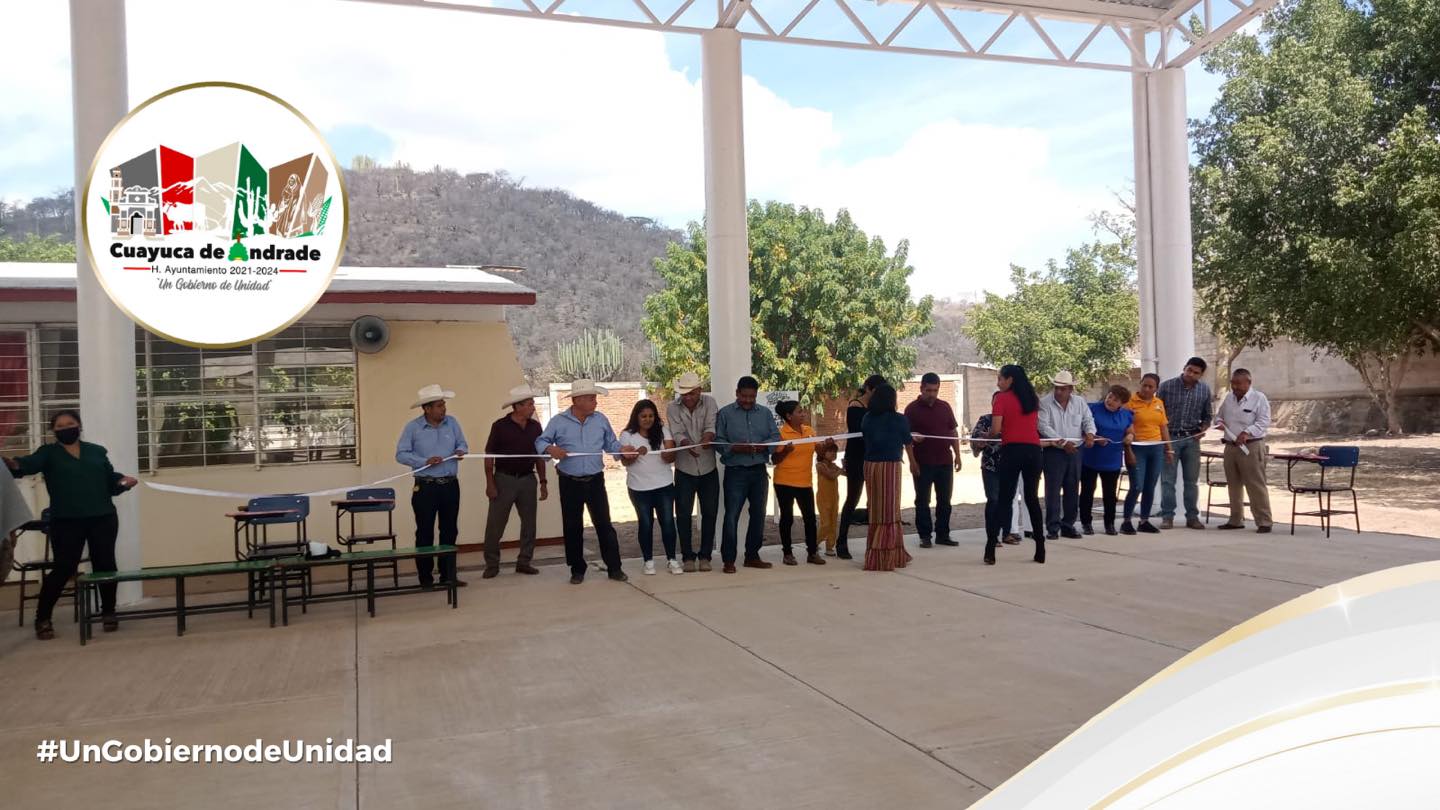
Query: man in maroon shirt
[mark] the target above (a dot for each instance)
(512, 481)
(936, 460)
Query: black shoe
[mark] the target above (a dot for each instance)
(427, 586)
(1070, 533)
(1052, 535)
(491, 573)
(925, 542)
(1260, 530)
(1127, 528)
(109, 623)
(459, 583)
(945, 541)
(576, 579)
(843, 553)
(1110, 529)
(619, 576)
(1040, 556)
(1231, 526)
(1148, 527)
(989, 556)
(1086, 528)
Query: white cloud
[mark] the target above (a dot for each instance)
(598, 111)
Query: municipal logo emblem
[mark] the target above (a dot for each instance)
(215, 214)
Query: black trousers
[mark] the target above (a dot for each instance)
(430, 500)
(942, 478)
(1017, 462)
(687, 487)
(787, 498)
(576, 496)
(68, 538)
(1109, 486)
(854, 488)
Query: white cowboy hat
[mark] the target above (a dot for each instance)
(688, 381)
(581, 388)
(1063, 378)
(431, 393)
(519, 393)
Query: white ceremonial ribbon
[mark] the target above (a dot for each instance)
(319, 493)
(1232, 437)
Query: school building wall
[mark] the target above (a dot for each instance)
(475, 360)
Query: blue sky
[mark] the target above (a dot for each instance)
(977, 164)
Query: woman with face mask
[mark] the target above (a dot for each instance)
(81, 482)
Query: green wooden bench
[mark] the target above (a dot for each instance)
(369, 559)
(254, 571)
(269, 572)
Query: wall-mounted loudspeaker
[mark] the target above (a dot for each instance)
(369, 334)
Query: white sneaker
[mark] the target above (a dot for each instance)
(675, 566)
(650, 568)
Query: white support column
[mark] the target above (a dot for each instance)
(1162, 219)
(727, 256)
(106, 335)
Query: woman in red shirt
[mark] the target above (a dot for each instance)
(1015, 419)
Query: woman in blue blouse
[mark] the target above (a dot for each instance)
(1114, 428)
(887, 444)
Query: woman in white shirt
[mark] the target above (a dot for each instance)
(651, 481)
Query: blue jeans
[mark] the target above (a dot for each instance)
(1148, 461)
(651, 505)
(991, 480)
(744, 485)
(1187, 456)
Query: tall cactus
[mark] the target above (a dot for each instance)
(594, 355)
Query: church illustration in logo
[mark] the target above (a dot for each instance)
(163, 191)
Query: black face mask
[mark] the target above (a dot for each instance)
(68, 435)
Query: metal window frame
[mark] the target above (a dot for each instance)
(38, 407)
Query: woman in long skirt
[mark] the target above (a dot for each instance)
(887, 438)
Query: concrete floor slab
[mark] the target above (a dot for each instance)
(803, 686)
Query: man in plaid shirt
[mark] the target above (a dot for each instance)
(1188, 404)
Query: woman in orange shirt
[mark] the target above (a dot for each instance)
(794, 464)
(1144, 462)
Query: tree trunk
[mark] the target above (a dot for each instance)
(1225, 366)
(1383, 375)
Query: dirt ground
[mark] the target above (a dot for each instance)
(1398, 485)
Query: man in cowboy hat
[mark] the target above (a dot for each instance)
(512, 481)
(426, 446)
(587, 434)
(692, 421)
(1066, 418)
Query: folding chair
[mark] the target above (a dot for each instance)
(1339, 457)
(362, 501)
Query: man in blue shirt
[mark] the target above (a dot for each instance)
(742, 429)
(426, 446)
(580, 430)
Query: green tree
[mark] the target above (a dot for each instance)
(1317, 189)
(828, 307)
(32, 248)
(1082, 316)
